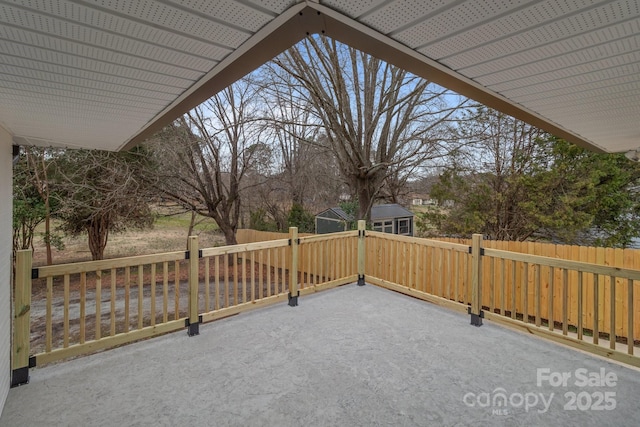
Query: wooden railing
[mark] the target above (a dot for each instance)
(438, 272)
(94, 305)
(67, 310)
(589, 302)
(589, 305)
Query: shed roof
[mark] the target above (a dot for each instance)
(377, 212)
(338, 212)
(389, 211)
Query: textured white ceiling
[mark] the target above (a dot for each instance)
(107, 73)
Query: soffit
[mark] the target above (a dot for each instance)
(107, 73)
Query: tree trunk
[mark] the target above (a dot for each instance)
(98, 233)
(229, 234)
(39, 170)
(192, 224)
(47, 228)
(367, 187)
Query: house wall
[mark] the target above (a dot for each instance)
(6, 203)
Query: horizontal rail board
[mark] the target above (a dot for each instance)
(107, 264)
(108, 342)
(443, 302)
(419, 241)
(240, 308)
(625, 273)
(247, 247)
(597, 349)
(328, 285)
(329, 236)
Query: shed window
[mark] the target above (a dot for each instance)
(404, 226)
(383, 226)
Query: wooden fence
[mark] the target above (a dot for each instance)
(72, 309)
(495, 270)
(247, 235)
(67, 310)
(337, 250)
(578, 295)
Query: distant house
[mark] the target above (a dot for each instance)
(423, 200)
(390, 218)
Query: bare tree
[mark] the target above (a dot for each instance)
(204, 157)
(293, 131)
(28, 208)
(38, 169)
(376, 117)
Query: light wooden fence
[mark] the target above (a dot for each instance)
(67, 310)
(424, 268)
(597, 308)
(586, 305)
(72, 309)
(336, 252)
(247, 235)
(585, 297)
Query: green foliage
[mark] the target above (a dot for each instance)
(28, 213)
(299, 217)
(561, 192)
(102, 192)
(55, 239)
(28, 207)
(258, 220)
(594, 197)
(351, 209)
(426, 222)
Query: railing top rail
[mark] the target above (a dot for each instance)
(107, 264)
(246, 247)
(328, 236)
(421, 241)
(587, 267)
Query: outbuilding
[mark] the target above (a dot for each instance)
(389, 218)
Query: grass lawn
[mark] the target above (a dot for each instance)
(183, 220)
(169, 233)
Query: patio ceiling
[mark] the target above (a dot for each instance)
(106, 73)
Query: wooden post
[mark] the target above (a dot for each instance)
(293, 268)
(194, 279)
(362, 225)
(476, 287)
(21, 324)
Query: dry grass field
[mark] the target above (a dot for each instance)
(169, 233)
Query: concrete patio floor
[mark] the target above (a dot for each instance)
(353, 356)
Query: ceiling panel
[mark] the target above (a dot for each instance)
(567, 78)
(610, 41)
(356, 8)
(449, 28)
(274, 6)
(107, 73)
(392, 16)
(580, 22)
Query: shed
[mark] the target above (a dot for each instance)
(333, 220)
(390, 218)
